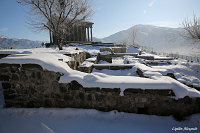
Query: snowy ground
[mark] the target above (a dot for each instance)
(89, 121)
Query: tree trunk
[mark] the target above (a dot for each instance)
(50, 36)
(60, 46)
(57, 42)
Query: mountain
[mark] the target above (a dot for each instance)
(96, 39)
(159, 39)
(7, 43)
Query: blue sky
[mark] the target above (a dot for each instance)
(110, 16)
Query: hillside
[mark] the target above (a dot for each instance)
(7, 43)
(160, 39)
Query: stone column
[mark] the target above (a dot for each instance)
(88, 34)
(77, 37)
(84, 33)
(81, 33)
(91, 33)
(74, 30)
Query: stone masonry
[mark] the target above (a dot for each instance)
(30, 86)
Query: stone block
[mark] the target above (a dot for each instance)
(6, 85)
(48, 103)
(3, 65)
(142, 110)
(131, 91)
(88, 55)
(160, 92)
(63, 88)
(101, 67)
(136, 99)
(145, 57)
(114, 90)
(74, 85)
(68, 97)
(105, 49)
(144, 100)
(23, 76)
(14, 68)
(86, 69)
(54, 95)
(39, 75)
(81, 95)
(107, 58)
(17, 86)
(4, 77)
(31, 67)
(72, 64)
(99, 97)
(95, 89)
(4, 70)
(140, 73)
(119, 49)
(140, 105)
(171, 75)
(9, 96)
(15, 77)
(89, 97)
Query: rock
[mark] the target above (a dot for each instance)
(171, 75)
(74, 85)
(140, 73)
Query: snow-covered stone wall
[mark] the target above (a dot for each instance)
(29, 85)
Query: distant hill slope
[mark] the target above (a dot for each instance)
(160, 39)
(7, 43)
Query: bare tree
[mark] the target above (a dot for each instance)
(192, 28)
(57, 16)
(133, 36)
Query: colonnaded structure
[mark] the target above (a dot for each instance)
(79, 33)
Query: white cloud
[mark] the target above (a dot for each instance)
(165, 24)
(4, 29)
(151, 4)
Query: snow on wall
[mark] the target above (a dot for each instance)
(50, 62)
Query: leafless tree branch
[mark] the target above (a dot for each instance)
(192, 28)
(58, 16)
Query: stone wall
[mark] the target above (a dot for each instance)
(112, 67)
(113, 49)
(29, 85)
(78, 59)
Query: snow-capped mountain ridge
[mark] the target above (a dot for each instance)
(160, 39)
(7, 43)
